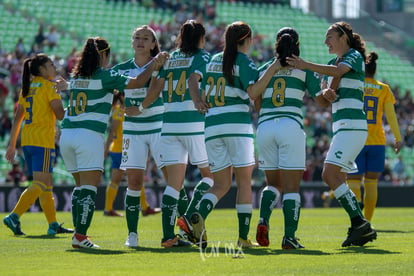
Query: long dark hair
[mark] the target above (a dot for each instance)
(235, 34)
(90, 57)
(190, 34)
(371, 64)
(287, 44)
(31, 66)
(156, 49)
(354, 40)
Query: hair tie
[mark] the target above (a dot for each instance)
(103, 50)
(245, 36)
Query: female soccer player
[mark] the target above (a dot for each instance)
(182, 134)
(371, 160)
(281, 140)
(85, 122)
(39, 106)
(141, 133)
(345, 92)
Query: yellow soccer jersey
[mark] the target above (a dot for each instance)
(376, 94)
(117, 114)
(39, 119)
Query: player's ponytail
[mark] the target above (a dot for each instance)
(90, 58)
(371, 64)
(190, 34)
(31, 67)
(359, 44)
(235, 34)
(287, 44)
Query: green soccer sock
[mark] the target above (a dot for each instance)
(201, 188)
(182, 202)
(269, 198)
(85, 208)
(132, 207)
(206, 204)
(244, 215)
(348, 201)
(169, 211)
(74, 200)
(291, 212)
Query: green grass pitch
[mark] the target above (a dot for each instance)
(321, 231)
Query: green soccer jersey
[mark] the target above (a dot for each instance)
(150, 121)
(283, 96)
(91, 100)
(181, 117)
(348, 109)
(229, 112)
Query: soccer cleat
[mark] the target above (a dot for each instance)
(360, 235)
(185, 226)
(242, 243)
(174, 242)
(112, 213)
(12, 221)
(82, 241)
(262, 233)
(291, 243)
(150, 211)
(132, 240)
(199, 230)
(56, 228)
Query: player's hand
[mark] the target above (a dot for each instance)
(132, 111)
(397, 146)
(160, 59)
(296, 62)
(201, 106)
(61, 84)
(10, 153)
(329, 94)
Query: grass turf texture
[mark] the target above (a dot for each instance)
(320, 230)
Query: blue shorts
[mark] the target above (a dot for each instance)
(371, 159)
(116, 158)
(39, 159)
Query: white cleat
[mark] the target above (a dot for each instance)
(132, 240)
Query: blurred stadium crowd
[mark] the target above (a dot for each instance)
(317, 120)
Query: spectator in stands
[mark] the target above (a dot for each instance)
(19, 48)
(4, 92)
(40, 38)
(16, 174)
(5, 124)
(399, 171)
(52, 37)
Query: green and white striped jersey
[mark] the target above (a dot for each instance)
(348, 109)
(229, 112)
(150, 121)
(91, 100)
(283, 96)
(180, 116)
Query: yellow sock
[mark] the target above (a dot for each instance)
(28, 197)
(143, 199)
(111, 191)
(370, 197)
(355, 186)
(47, 202)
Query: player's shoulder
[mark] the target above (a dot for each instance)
(123, 65)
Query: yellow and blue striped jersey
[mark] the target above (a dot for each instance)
(376, 94)
(117, 114)
(39, 119)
